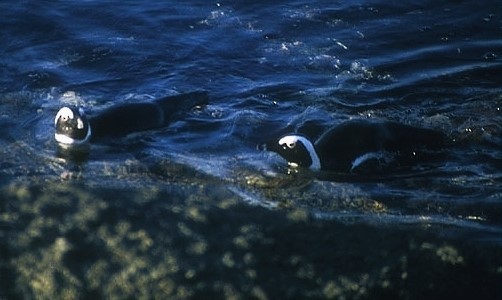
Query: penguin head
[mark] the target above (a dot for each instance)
(298, 150)
(72, 126)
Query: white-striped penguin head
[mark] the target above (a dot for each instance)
(72, 126)
(298, 151)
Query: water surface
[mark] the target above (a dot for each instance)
(194, 209)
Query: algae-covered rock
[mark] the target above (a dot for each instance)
(65, 240)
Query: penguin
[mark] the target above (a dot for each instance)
(359, 146)
(73, 128)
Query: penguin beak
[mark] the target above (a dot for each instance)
(270, 145)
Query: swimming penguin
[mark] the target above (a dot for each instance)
(353, 146)
(74, 128)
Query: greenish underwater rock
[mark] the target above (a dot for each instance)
(179, 240)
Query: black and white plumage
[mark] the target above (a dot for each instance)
(74, 128)
(351, 145)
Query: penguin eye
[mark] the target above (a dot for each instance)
(288, 142)
(289, 145)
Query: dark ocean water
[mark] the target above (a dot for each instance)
(194, 210)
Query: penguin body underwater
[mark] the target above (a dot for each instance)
(74, 128)
(352, 146)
